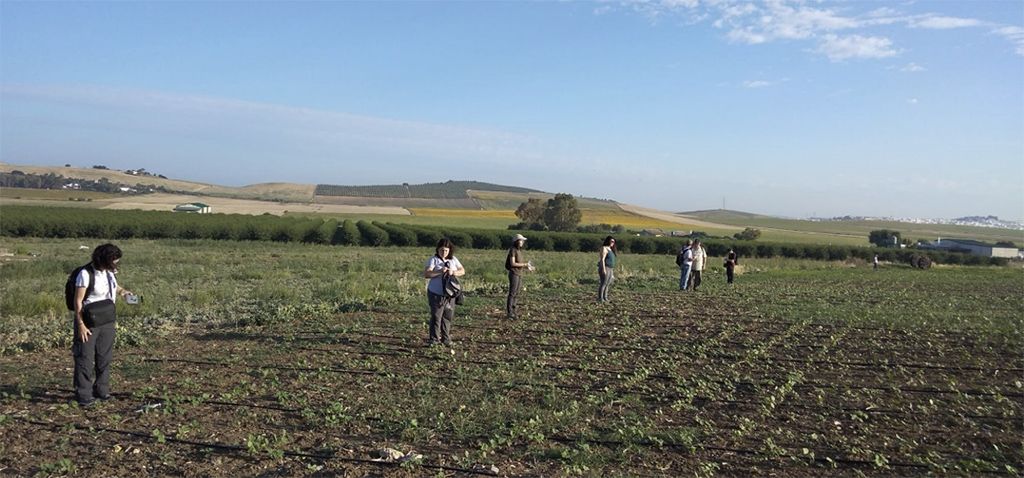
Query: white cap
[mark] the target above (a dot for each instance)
(518, 237)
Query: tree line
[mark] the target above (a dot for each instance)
(30, 221)
(20, 179)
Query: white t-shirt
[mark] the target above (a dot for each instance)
(106, 284)
(436, 285)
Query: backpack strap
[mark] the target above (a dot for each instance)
(92, 278)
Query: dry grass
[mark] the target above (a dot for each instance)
(166, 202)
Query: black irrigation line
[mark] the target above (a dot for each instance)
(332, 455)
(742, 451)
(236, 449)
(614, 373)
(655, 338)
(727, 356)
(354, 372)
(631, 371)
(733, 357)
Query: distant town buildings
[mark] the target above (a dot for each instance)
(979, 221)
(973, 247)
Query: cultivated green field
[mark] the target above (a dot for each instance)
(858, 229)
(273, 359)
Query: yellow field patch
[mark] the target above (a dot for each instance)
(628, 219)
(473, 213)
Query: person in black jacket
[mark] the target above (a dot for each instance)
(731, 260)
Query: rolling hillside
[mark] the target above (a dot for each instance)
(463, 203)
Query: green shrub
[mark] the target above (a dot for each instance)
(641, 245)
(485, 240)
(347, 234)
(399, 235)
(371, 235)
(565, 243)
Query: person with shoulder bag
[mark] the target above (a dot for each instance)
(94, 317)
(442, 269)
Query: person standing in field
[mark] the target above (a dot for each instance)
(442, 309)
(606, 268)
(515, 265)
(731, 260)
(876, 262)
(700, 258)
(94, 317)
(685, 261)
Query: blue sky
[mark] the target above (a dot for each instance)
(790, 108)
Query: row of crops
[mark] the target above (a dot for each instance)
(28, 221)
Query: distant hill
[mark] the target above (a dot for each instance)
(445, 190)
(724, 216)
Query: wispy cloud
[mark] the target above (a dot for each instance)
(763, 83)
(912, 101)
(937, 22)
(839, 32)
(912, 68)
(839, 48)
(1014, 35)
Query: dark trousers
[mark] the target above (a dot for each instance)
(515, 283)
(441, 312)
(729, 274)
(695, 279)
(92, 362)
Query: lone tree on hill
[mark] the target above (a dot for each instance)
(748, 234)
(560, 213)
(884, 238)
(531, 212)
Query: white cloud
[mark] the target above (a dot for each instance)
(912, 101)
(838, 48)
(756, 84)
(937, 22)
(912, 68)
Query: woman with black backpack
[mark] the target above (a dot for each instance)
(441, 268)
(95, 292)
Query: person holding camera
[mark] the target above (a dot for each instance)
(439, 269)
(94, 315)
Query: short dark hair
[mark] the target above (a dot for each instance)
(445, 242)
(103, 257)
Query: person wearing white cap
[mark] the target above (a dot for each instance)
(515, 265)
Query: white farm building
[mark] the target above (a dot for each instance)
(196, 207)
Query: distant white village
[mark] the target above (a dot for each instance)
(979, 221)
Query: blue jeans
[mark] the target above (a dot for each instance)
(684, 276)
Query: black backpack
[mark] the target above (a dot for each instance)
(69, 286)
(508, 261)
(680, 258)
